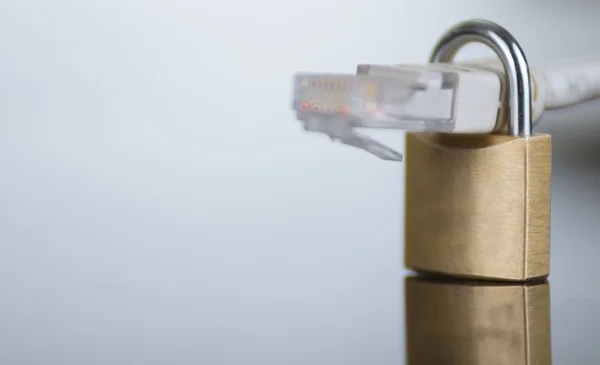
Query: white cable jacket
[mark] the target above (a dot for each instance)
(562, 85)
(572, 83)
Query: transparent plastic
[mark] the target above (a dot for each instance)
(376, 97)
(340, 131)
(379, 97)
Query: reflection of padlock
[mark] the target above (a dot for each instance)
(479, 205)
(453, 322)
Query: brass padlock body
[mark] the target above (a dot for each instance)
(477, 323)
(478, 206)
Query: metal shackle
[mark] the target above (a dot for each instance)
(516, 68)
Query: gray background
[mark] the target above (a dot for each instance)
(160, 205)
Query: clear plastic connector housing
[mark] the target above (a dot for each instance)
(432, 97)
(379, 97)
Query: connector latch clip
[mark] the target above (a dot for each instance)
(340, 130)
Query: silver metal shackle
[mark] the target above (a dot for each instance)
(516, 68)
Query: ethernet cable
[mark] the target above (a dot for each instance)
(462, 98)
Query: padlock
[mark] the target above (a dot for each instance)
(454, 322)
(478, 206)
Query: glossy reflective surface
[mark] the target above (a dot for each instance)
(463, 322)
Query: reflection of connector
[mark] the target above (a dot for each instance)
(432, 97)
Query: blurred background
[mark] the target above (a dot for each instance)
(159, 203)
